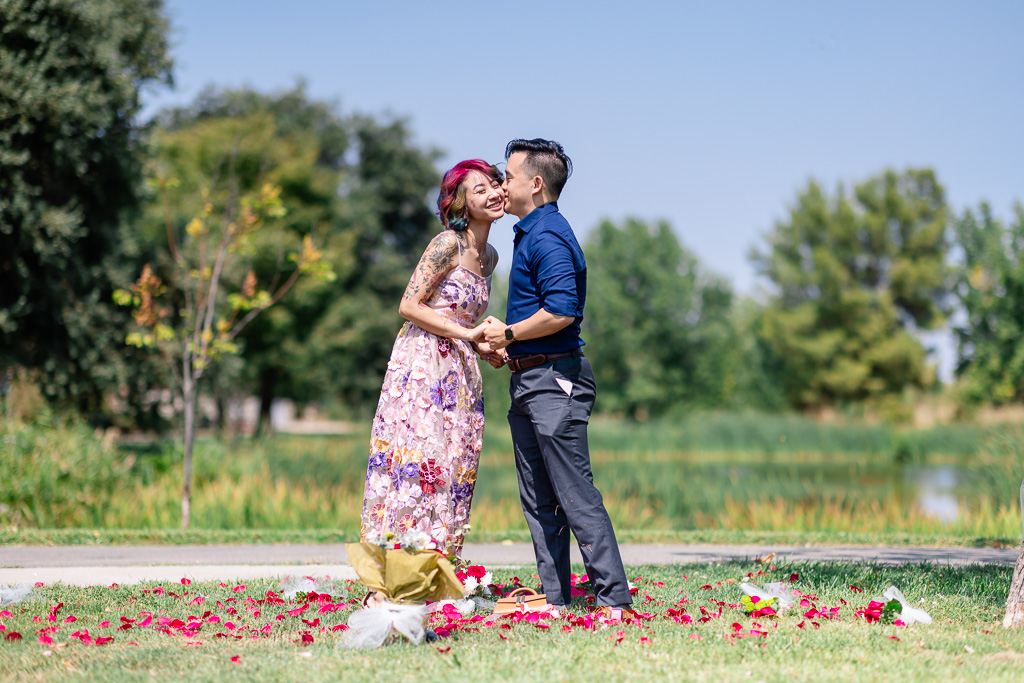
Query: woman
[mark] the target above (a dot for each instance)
(425, 444)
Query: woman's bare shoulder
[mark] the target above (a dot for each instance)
(440, 254)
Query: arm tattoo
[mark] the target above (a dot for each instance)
(433, 266)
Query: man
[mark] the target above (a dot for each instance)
(552, 385)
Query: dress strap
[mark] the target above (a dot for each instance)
(459, 242)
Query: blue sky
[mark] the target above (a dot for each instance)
(710, 116)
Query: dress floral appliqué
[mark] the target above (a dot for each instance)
(427, 433)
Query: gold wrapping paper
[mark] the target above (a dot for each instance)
(405, 576)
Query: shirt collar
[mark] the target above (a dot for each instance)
(535, 216)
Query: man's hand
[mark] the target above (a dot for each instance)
(493, 333)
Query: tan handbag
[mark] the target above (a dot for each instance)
(521, 600)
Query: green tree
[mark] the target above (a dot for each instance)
(990, 290)
(753, 378)
(657, 324)
(852, 277)
(385, 223)
(361, 186)
(70, 159)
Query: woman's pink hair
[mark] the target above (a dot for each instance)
(451, 200)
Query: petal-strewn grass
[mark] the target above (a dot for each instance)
(690, 626)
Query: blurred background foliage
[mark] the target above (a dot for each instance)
(852, 276)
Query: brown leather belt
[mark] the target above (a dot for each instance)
(526, 362)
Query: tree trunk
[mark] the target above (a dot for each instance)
(222, 411)
(268, 381)
(189, 395)
(1015, 601)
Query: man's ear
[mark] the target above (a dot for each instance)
(537, 185)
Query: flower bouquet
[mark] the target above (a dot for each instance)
(406, 572)
(477, 581)
(766, 601)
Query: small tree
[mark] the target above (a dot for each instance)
(196, 322)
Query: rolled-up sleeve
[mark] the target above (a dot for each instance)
(557, 276)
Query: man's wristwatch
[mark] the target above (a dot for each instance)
(508, 334)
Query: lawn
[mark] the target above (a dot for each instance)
(691, 628)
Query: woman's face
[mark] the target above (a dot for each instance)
(485, 200)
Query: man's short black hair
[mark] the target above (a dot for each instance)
(545, 158)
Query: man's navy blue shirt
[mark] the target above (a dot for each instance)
(549, 272)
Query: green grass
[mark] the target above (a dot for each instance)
(965, 642)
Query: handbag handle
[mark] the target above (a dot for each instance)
(522, 590)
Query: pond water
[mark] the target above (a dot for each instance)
(937, 490)
(689, 490)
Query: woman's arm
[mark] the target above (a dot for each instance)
(437, 261)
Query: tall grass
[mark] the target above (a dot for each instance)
(713, 472)
(54, 475)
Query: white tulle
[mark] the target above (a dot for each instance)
(10, 595)
(909, 614)
(370, 627)
(293, 585)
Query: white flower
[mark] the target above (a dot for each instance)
(407, 494)
(379, 483)
(471, 584)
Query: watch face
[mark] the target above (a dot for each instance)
(508, 334)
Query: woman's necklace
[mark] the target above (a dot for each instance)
(481, 255)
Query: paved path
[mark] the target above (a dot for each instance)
(103, 565)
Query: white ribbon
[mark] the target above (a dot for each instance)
(370, 627)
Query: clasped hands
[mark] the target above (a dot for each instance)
(489, 341)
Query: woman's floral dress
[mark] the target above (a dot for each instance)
(425, 445)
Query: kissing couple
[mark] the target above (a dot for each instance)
(428, 428)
